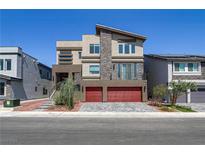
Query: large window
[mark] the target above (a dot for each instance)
(127, 71)
(94, 48)
(179, 67)
(1, 64)
(8, 64)
(94, 69)
(2, 85)
(126, 48)
(193, 67)
(186, 67)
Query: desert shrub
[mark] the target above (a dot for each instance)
(65, 94)
(177, 88)
(160, 92)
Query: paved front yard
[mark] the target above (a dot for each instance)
(116, 107)
(199, 107)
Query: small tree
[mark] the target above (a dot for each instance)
(160, 92)
(65, 94)
(178, 88)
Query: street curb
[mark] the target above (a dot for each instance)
(105, 114)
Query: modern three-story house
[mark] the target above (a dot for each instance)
(108, 66)
(22, 76)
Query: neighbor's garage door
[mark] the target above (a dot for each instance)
(93, 94)
(124, 94)
(198, 96)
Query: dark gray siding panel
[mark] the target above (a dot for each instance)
(198, 97)
(182, 99)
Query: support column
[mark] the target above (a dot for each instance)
(104, 93)
(188, 96)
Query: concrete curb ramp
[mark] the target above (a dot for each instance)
(105, 114)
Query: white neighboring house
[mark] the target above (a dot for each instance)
(22, 76)
(162, 69)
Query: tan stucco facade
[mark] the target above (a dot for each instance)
(82, 65)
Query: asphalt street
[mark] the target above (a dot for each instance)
(106, 131)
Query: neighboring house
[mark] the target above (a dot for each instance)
(162, 69)
(108, 66)
(22, 76)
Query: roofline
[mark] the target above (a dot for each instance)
(11, 47)
(119, 31)
(69, 40)
(44, 65)
(179, 57)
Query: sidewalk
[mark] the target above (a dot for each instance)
(105, 114)
(26, 105)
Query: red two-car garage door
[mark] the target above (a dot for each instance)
(93, 94)
(124, 94)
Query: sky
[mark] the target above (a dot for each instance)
(167, 31)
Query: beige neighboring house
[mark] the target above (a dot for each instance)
(107, 66)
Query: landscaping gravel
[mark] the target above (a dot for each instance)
(116, 107)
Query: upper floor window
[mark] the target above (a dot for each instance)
(79, 55)
(126, 48)
(94, 69)
(185, 67)
(94, 48)
(179, 67)
(8, 64)
(193, 67)
(48, 75)
(1, 64)
(126, 71)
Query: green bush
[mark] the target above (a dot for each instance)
(160, 92)
(65, 94)
(177, 88)
(58, 98)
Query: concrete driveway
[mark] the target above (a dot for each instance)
(116, 107)
(199, 107)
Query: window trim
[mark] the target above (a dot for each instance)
(94, 72)
(94, 48)
(6, 64)
(130, 48)
(187, 72)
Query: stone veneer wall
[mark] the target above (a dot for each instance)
(140, 71)
(106, 55)
(77, 78)
(191, 77)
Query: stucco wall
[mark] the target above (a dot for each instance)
(13, 53)
(115, 50)
(192, 77)
(87, 40)
(156, 72)
(32, 79)
(76, 59)
(15, 65)
(86, 71)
